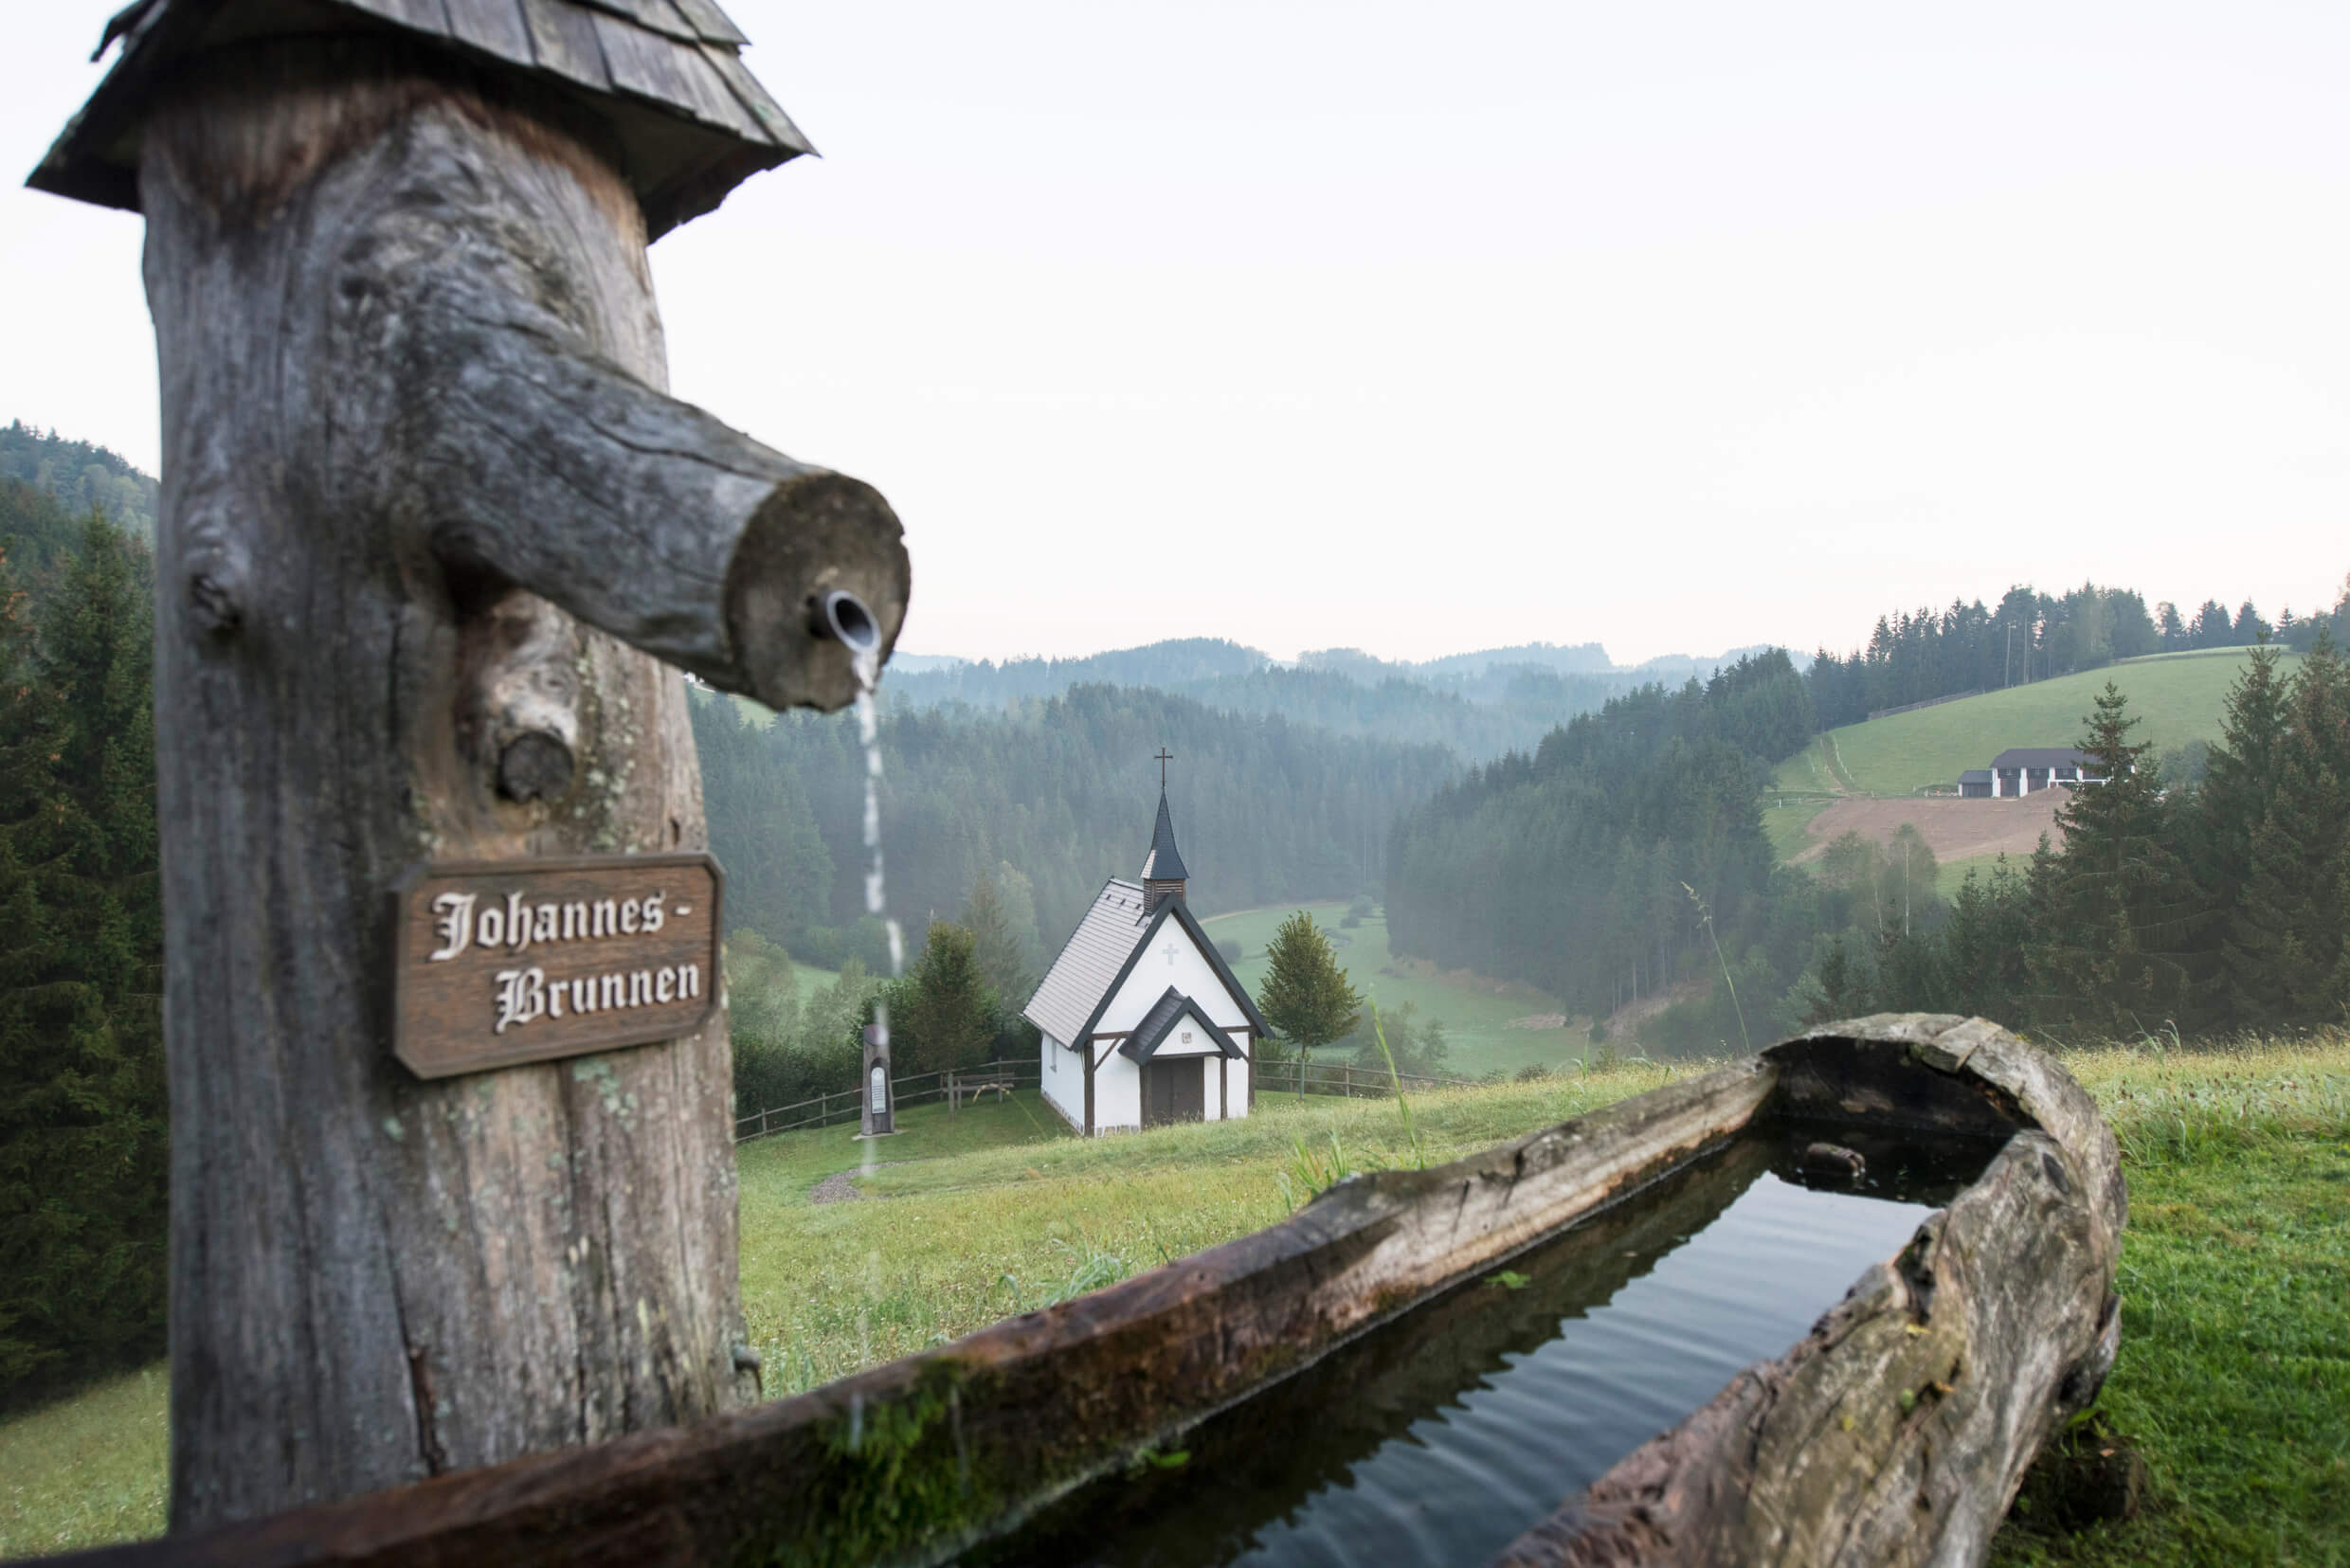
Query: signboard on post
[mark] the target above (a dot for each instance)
(526, 960)
(878, 1097)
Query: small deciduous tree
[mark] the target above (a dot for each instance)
(1305, 994)
(763, 1016)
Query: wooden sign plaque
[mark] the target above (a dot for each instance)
(502, 961)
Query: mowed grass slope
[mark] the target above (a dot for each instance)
(1476, 1012)
(2178, 698)
(2234, 1371)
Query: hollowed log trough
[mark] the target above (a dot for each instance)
(1896, 1432)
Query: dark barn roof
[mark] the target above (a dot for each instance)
(2041, 756)
(665, 74)
(1975, 775)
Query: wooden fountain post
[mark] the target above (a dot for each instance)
(434, 544)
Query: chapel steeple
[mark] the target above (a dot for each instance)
(1164, 874)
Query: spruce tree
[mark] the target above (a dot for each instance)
(83, 1155)
(1834, 990)
(2121, 906)
(1983, 944)
(2239, 786)
(2286, 941)
(944, 1014)
(997, 946)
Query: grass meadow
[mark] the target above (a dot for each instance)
(1476, 1012)
(1786, 822)
(807, 980)
(2235, 1370)
(2180, 697)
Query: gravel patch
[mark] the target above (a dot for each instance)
(841, 1186)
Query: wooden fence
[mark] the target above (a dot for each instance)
(1345, 1078)
(1930, 702)
(846, 1105)
(1339, 1078)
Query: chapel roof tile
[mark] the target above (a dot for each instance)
(1090, 963)
(1102, 951)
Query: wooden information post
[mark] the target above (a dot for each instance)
(877, 1100)
(433, 545)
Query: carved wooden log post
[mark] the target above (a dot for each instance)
(429, 528)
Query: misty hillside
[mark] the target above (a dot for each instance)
(79, 476)
(1479, 705)
(1058, 795)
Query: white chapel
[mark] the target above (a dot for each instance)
(1143, 1021)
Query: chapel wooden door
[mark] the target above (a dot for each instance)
(1174, 1092)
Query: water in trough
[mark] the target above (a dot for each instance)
(1441, 1436)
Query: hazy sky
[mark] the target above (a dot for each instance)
(1429, 327)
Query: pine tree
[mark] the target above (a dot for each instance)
(1983, 943)
(2239, 786)
(1305, 994)
(83, 1154)
(944, 1014)
(2286, 941)
(2120, 906)
(997, 946)
(1834, 990)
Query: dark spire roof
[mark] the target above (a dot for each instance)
(665, 76)
(1165, 862)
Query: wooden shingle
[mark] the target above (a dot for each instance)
(666, 76)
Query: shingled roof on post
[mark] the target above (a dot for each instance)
(691, 121)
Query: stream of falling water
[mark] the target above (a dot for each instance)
(868, 666)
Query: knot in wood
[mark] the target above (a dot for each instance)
(215, 600)
(535, 766)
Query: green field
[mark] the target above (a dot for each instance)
(1950, 875)
(1785, 824)
(807, 980)
(2179, 696)
(2234, 1274)
(1476, 1011)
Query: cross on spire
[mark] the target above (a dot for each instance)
(1164, 757)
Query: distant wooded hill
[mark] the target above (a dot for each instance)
(1060, 792)
(79, 477)
(2029, 637)
(1479, 705)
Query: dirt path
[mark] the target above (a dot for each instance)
(1624, 1023)
(1955, 830)
(841, 1186)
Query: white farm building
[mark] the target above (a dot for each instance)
(1143, 1021)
